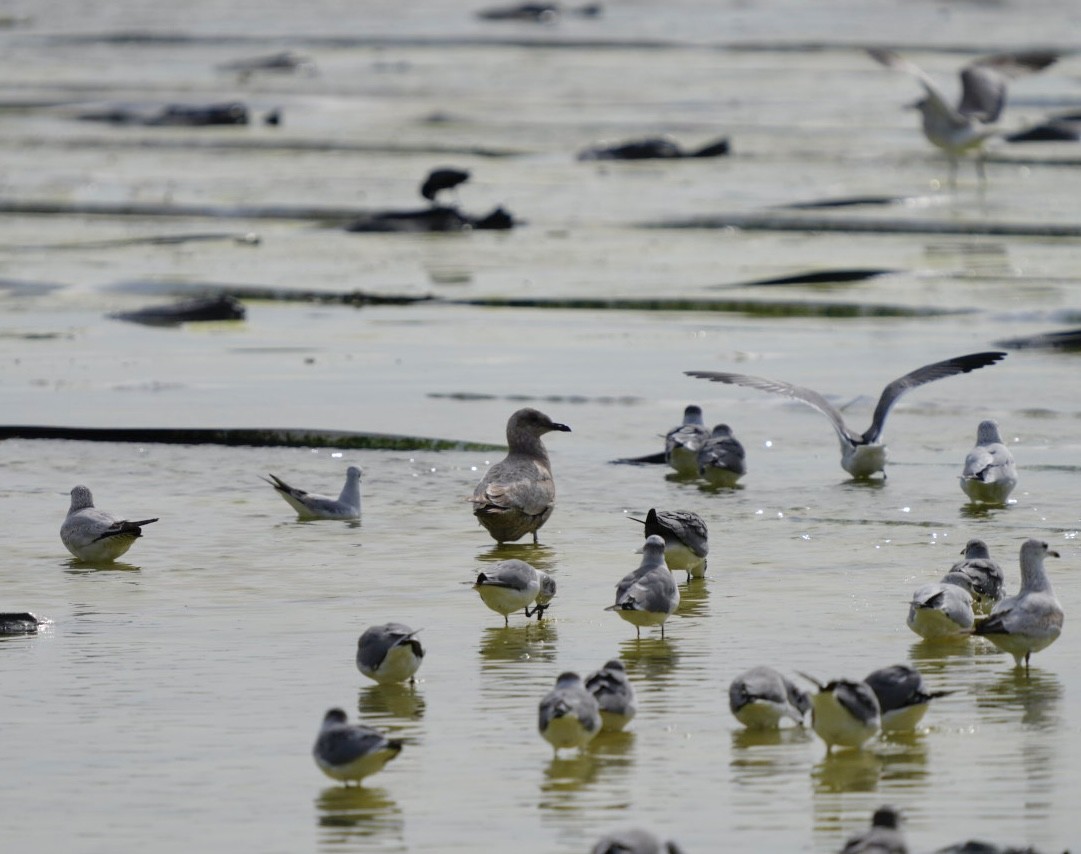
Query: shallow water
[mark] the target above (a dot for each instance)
(173, 699)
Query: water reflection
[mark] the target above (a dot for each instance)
(79, 567)
(983, 511)
(847, 771)
(400, 701)
(564, 777)
(931, 656)
(1035, 694)
(350, 813)
(904, 758)
(519, 643)
(693, 598)
(760, 755)
(540, 556)
(648, 659)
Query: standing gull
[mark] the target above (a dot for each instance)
(93, 535)
(389, 653)
(686, 540)
(844, 713)
(761, 697)
(345, 751)
(647, 596)
(614, 694)
(568, 715)
(862, 455)
(681, 443)
(966, 127)
(1031, 620)
(310, 505)
(513, 584)
(989, 475)
(721, 460)
(883, 837)
(940, 611)
(516, 495)
(902, 696)
(979, 575)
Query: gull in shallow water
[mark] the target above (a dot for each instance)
(633, 840)
(681, 443)
(647, 596)
(614, 694)
(883, 837)
(93, 535)
(966, 127)
(979, 575)
(686, 540)
(941, 611)
(568, 715)
(989, 475)
(862, 454)
(721, 460)
(310, 505)
(1031, 620)
(902, 696)
(513, 584)
(516, 495)
(844, 713)
(389, 653)
(350, 752)
(761, 697)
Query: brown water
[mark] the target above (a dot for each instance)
(172, 701)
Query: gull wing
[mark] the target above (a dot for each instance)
(938, 101)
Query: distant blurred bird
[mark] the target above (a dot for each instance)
(979, 575)
(568, 715)
(633, 841)
(902, 696)
(844, 713)
(682, 442)
(311, 505)
(862, 455)
(647, 596)
(1031, 620)
(439, 180)
(721, 458)
(389, 653)
(964, 128)
(884, 837)
(513, 584)
(990, 474)
(686, 540)
(93, 535)
(350, 752)
(761, 697)
(939, 611)
(517, 494)
(614, 694)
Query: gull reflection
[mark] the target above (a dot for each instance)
(904, 757)
(847, 771)
(540, 557)
(350, 813)
(519, 643)
(1035, 694)
(648, 659)
(399, 700)
(693, 598)
(74, 566)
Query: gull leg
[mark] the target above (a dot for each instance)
(953, 173)
(506, 621)
(662, 630)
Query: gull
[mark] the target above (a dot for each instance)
(862, 455)
(882, 838)
(568, 715)
(940, 611)
(614, 695)
(681, 443)
(721, 460)
(513, 584)
(647, 596)
(442, 179)
(958, 130)
(844, 713)
(389, 653)
(516, 495)
(979, 575)
(761, 697)
(309, 505)
(1031, 620)
(902, 696)
(93, 535)
(686, 540)
(989, 475)
(345, 751)
(633, 840)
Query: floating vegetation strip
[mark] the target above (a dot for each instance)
(257, 437)
(779, 221)
(756, 308)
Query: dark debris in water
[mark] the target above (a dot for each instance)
(205, 309)
(1068, 339)
(256, 437)
(819, 277)
(846, 202)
